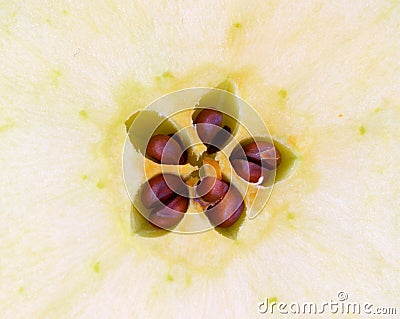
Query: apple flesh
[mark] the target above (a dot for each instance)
(322, 75)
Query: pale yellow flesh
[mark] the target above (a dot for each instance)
(324, 76)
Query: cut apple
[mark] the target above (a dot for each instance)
(323, 76)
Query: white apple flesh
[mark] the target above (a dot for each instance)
(324, 76)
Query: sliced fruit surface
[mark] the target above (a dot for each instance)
(325, 78)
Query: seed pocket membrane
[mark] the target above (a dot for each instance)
(179, 135)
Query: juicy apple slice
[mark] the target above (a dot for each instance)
(323, 75)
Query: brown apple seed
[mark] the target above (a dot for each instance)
(227, 211)
(170, 214)
(165, 150)
(263, 153)
(211, 189)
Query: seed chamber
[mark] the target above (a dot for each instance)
(175, 115)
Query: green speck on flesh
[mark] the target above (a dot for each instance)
(96, 267)
(188, 280)
(170, 277)
(282, 93)
(273, 299)
(56, 73)
(291, 216)
(362, 130)
(167, 74)
(100, 185)
(83, 114)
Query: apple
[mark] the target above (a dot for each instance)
(323, 76)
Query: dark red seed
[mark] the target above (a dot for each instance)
(263, 153)
(233, 218)
(209, 116)
(160, 188)
(226, 212)
(169, 215)
(165, 150)
(249, 171)
(211, 189)
(219, 140)
(208, 123)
